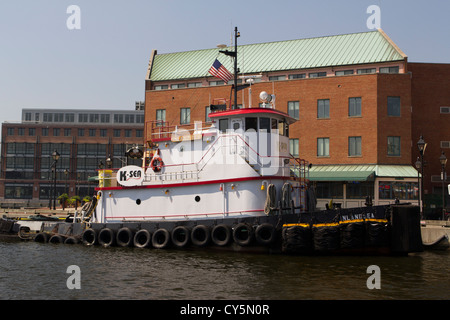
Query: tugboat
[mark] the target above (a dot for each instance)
(232, 184)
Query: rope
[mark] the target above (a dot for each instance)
(271, 198)
(286, 196)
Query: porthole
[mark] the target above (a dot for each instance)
(197, 198)
(138, 201)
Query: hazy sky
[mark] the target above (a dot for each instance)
(44, 64)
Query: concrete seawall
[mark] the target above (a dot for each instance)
(435, 234)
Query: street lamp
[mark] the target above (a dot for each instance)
(418, 166)
(422, 145)
(443, 161)
(55, 156)
(109, 162)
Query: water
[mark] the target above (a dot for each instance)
(30, 270)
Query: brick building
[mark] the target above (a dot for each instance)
(83, 138)
(361, 107)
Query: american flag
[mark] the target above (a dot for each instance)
(219, 71)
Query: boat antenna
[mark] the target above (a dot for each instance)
(236, 70)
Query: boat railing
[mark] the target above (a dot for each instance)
(232, 144)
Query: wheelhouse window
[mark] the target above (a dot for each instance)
(251, 123)
(264, 124)
(223, 125)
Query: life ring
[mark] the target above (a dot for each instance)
(156, 164)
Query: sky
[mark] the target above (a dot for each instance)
(47, 63)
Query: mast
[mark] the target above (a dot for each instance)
(236, 70)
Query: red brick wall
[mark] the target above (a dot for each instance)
(430, 90)
(373, 126)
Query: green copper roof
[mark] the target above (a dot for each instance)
(340, 50)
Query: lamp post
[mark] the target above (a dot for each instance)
(418, 166)
(55, 156)
(443, 161)
(422, 145)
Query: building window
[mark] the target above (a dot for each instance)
(293, 147)
(343, 72)
(160, 116)
(445, 110)
(94, 118)
(178, 86)
(70, 117)
(277, 78)
(139, 133)
(58, 117)
(140, 118)
(354, 107)
(369, 70)
(329, 190)
(354, 146)
(81, 132)
(207, 112)
(45, 132)
(27, 116)
(185, 115)
(297, 76)
(10, 131)
(194, 84)
(389, 69)
(323, 108)
(118, 118)
(116, 133)
(161, 87)
(83, 117)
(31, 131)
(105, 118)
(56, 132)
(216, 83)
(293, 109)
(129, 118)
(48, 117)
(398, 190)
(323, 147)
(92, 132)
(127, 133)
(317, 74)
(393, 106)
(20, 131)
(103, 132)
(359, 189)
(445, 144)
(393, 146)
(67, 132)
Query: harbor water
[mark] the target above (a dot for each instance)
(30, 270)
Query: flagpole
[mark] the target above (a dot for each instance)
(236, 35)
